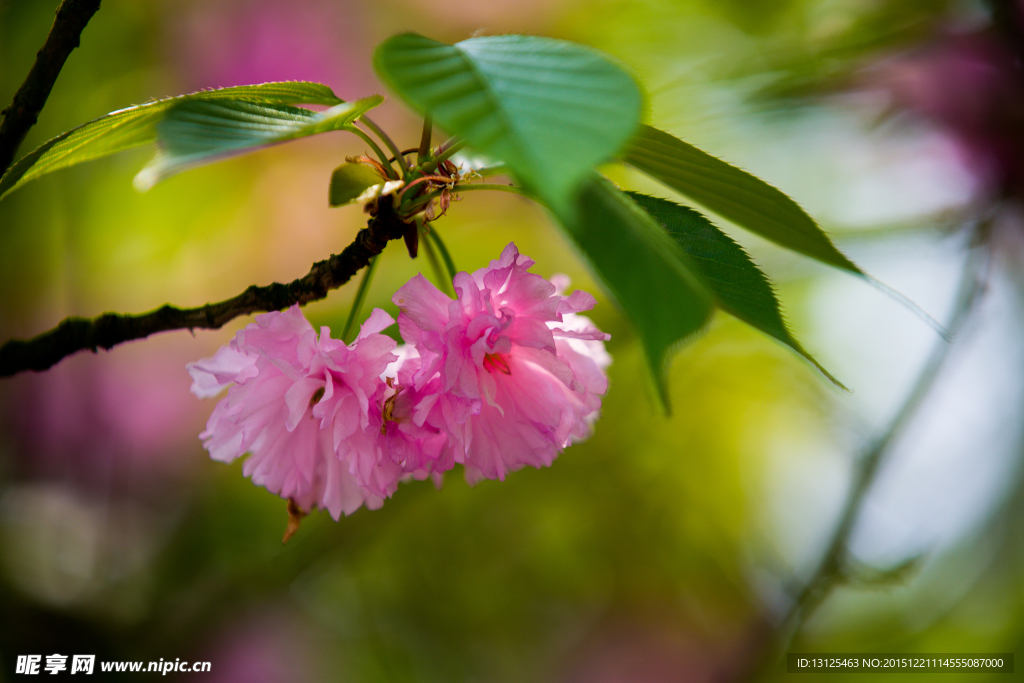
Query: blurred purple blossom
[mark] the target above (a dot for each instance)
(970, 85)
(237, 43)
(121, 422)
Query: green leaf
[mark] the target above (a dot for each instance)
(197, 132)
(645, 271)
(735, 195)
(350, 180)
(737, 283)
(134, 126)
(550, 109)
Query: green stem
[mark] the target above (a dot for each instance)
(500, 169)
(424, 151)
(357, 303)
(412, 184)
(450, 147)
(422, 201)
(449, 264)
(388, 142)
(376, 150)
(428, 247)
(497, 187)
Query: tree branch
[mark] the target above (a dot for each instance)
(65, 34)
(833, 567)
(1006, 18)
(111, 329)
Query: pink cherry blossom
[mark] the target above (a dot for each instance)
(306, 408)
(418, 449)
(507, 370)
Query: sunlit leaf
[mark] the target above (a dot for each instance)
(550, 109)
(197, 132)
(739, 286)
(645, 271)
(350, 180)
(735, 195)
(127, 128)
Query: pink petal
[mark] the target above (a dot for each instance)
(378, 321)
(297, 400)
(272, 414)
(576, 302)
(212, 375)
(422, 303)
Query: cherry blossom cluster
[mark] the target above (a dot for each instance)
(505, 375)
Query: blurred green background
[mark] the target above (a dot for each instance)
(663, 549)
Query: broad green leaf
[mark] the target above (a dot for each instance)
(739, 286)
(350, 180)
(735, 195)
(134, 126)
(550, 109)
(196, 132)
(645, 271)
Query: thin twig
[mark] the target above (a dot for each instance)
(65, 35)
(831, 569)
(111, 329)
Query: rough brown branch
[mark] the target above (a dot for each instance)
(72, 16)
(1007, 16)
(111, 329)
